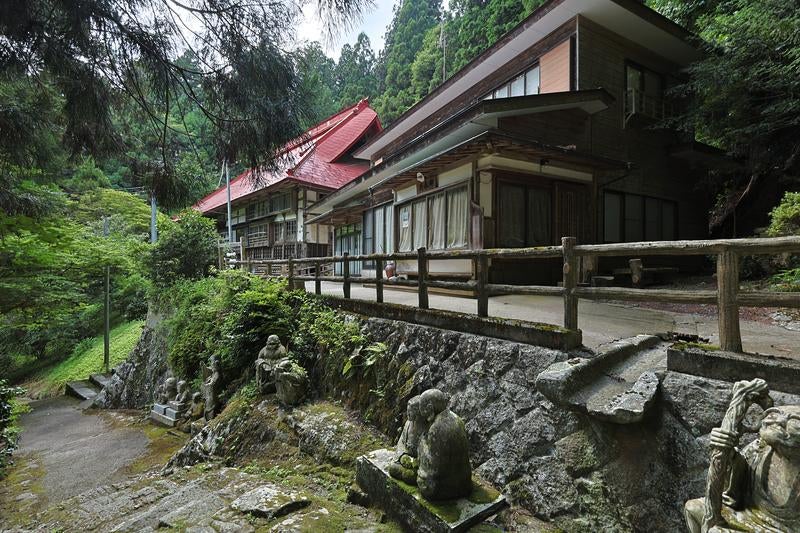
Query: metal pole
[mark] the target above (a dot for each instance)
(153, 225)
(228, 187)
(107, 308)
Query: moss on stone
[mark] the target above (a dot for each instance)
(683, 346)
(449, 510)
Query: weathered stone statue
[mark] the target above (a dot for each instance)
(756, 488)
(405, 464)
(211, 389)
(181, 402)
(443, 451)
(166, 391)
(191, 421)
(268, 357)
(291, 382)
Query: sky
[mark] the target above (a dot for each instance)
(373, 23)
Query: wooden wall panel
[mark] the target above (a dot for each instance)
(555, 69)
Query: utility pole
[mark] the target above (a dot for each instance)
(443, 44)
(153, 225)
(228, 187)
(107, 308)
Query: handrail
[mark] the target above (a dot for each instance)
(727, 296)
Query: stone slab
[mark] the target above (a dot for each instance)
(269, 501)
(100, 380)
(403, 502)
(83, 390)
(526, 332)
(618, 385)
(162, 419)
(169, 412)
(159, 408)
(782, 374)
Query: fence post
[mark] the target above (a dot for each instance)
(482, 275)
(290, 275)
(570, 271)
(317, 281)
(422, 275)
(379, 281)
(637, 272)
(730, 338)
(346, 273)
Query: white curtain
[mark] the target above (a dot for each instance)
(380, 231)
(405, 228)
(389, 229)
(437, 222)
(457, 218)
(420, 219)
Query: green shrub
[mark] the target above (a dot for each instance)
(186, 251)
(9, 431)
(785, 217)
(787, 281)
(230, 316)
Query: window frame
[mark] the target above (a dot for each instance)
(644, 198)
(466, 184)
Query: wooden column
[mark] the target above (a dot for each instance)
(317, 281)
(422, 274)
(290, 274)
(482, 277)
(730, 338)
(637, 272)
(379, 280)
(346, 273)
(570, 271)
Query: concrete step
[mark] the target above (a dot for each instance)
(100, 380)
(83, 389)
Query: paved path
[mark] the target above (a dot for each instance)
(601, 322)
(76, 450)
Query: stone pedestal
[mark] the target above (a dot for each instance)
(164, 415)
(403, 502)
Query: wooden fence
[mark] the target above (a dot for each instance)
(728, 297)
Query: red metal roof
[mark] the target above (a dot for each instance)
(316, 158)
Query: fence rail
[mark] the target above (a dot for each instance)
(727, 296)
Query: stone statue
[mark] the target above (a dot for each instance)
(181, 402)
(190, 421)
(211, 389)
(268, 357)
(756, 488)
(166, 391)
(291, 382)
(405, 464)
(444, 471)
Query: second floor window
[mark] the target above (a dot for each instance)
(525, 84)
(643, 92)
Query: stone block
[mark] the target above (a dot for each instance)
(159, 408)
(162, 418)
(780, 373)
(403, 503)
(269, 501)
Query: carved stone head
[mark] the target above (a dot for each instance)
(412, 409)
(431, 403)
(780, 429)
(273, 342)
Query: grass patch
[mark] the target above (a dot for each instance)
(86, 359)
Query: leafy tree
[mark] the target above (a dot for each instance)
(404, 39)
(743, 94)
(186, 251)
(355, 72)
(317, 74)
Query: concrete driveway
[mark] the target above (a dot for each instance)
(600, 322)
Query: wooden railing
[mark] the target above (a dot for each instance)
(727, 296)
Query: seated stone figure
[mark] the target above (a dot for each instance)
(181, 401)
(166, 391)
(291, 382)
(404, 466)
(763, 485)
(268, 357)
(443, 451)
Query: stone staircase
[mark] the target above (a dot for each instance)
(87, 389)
